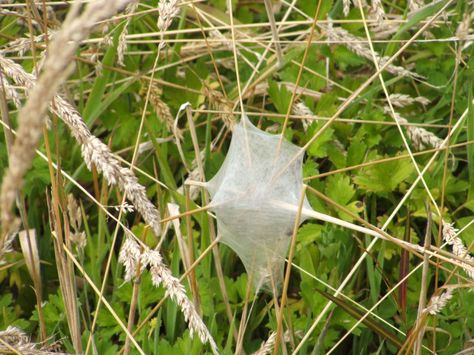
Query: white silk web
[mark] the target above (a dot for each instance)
(255, 196)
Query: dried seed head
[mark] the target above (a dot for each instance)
(57, 67)
(74, 212)
(129, 257)
(162, 275)
(376, 11)
(437, 303)
(93, 150)
(7, 246)
(300, 109)
(122, 42)
(402, 100)
(419, 136)
(16, 339)
(126, 207)
(79, 239)
(162, 110)
(168, 10)
(346, 4)
(357, 45)
(450, 236)
(221, 104)
(464, 27)
(415, 5)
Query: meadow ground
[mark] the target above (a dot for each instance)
(116, 115)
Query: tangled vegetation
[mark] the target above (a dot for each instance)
(116, 113)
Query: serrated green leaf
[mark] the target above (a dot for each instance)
(280, 96)
(319, 147)
(340, 189)
(384, 177)
(356, 152)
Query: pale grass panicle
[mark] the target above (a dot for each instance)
(122, 46)
(346, 7)
(162, 275)
(464, 28)
(383, 30)
(415, 5)
(126, 207)
(402, 100)
(21, 45)
(167, 11)
(98, 154)
(79, 239)
(267, 346)
(419, 136)
(300, 109)
(31, 117)
(93, 150)
(376, 11)
(7, 246)
(11, 92)
(162, 110)
(122, 42)
(98, 66)
(223, 105)
(78, 236)
(194, 175)
(450, 236)
(359, 47)
(17, 339)
(437, 303)
(131, 255)
(74, 212)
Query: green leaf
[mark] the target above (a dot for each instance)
(101, 81)
(346, 59)
(337, 155)
(318, 148)
(97, 110)
(468, 234)
(413, 21)
(280, 96)
(356, 152)
(327, 105)
(340, 189)
(384, 177)
(309, 7)
(354, 312)
(308, 233)
(470, 147)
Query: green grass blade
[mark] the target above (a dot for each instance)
(470, 147)
(377, 327)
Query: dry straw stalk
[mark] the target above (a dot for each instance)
(31, 117)
(132, 256)
(93, 150)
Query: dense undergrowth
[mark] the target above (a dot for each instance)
(375, 136)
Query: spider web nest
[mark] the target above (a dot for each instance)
(261, 177)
